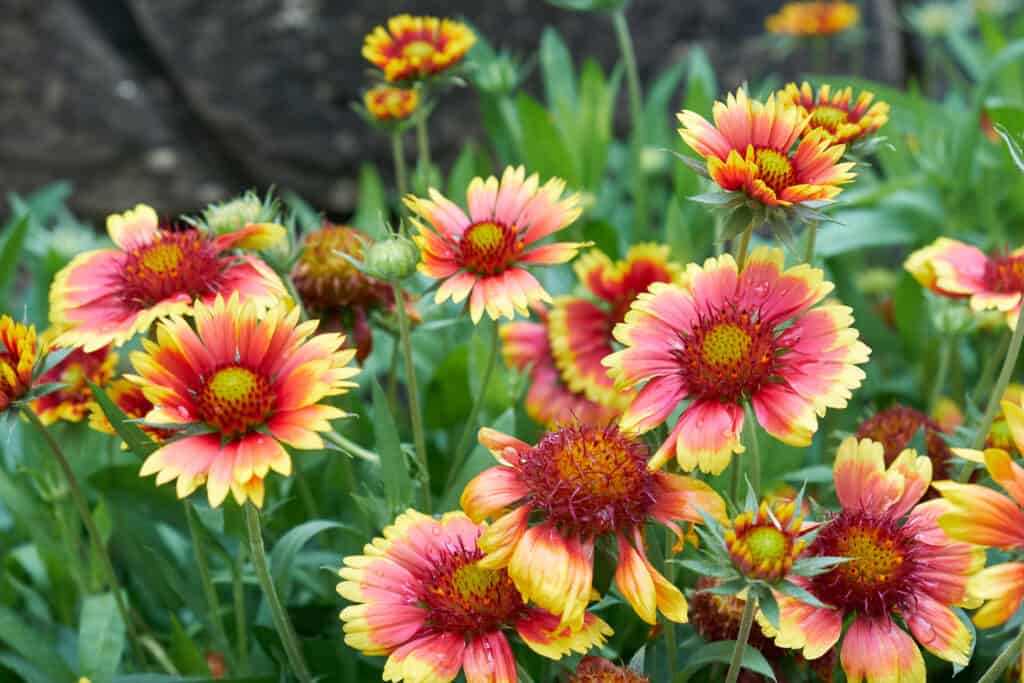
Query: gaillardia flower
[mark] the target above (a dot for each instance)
(250, 383)
(721, 338)
(549, 400)
(895, 428)
(388, 103)
(415, 47)
(901, 565)
(107, 296)
(332, 288)
(958, 270)
(990, 518)
(483, 255)
(764, 543)
(813, 18)
(71, 401)
(577, 484)
(600, 670)
(838, 114)
(19, 351)
(750, 149)
(127, 396)
(424, 598)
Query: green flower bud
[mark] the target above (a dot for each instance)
(236, 213)
(392, 259)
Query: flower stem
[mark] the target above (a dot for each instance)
(749, 607)
(351, 447)
(625, 41)
(210, 592)
(78, 496)
(988, 371)
(754, 465)
(1005, 658)
(945, 353)
(670, 627)
(401, 177)
(741, 253)
(418, 437)
(812, 236)
(1009, 363)
(241, 622)
(282, 623)
(423, 151)
(294, 294)
(462, 450)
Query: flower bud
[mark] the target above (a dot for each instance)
(235, 214)
(392, 259)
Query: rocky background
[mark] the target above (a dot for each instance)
(182, 102)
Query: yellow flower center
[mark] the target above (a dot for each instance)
(162, 258)
(725, 344)
(828, 118)
(767, 544)
(601, 467)
(235, 399)
(875, 558)
(488, 247)
(775, 169)
(418, 50)
(471, 583)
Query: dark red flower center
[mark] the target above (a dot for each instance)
(775, 169)
(591, 479)
(488, 248)
(175, 262)
(880, 577)
(1005, 274)
(727, 354)
(235, 399)
(895, 427)
(462, 597)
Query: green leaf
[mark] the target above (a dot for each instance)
(138, 441)
(186, 653)
(543, 148)
(10, 253)
(394, 470)
(721, 651)
(727, 588)
(767, 603)
(856, 229)
(557, 72)
(101, 638)
(1016, 151)
(282, 557)
(35, 647)
(812, 566)
(790, 589)
(815, 474)
(707, 568)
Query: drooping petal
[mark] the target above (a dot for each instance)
(876, 650)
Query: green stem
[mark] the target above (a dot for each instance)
(241, 621)
(988, 371)
(741, 253)
(1009, 363)
(423, 150)
(735, 482)
(812, 235)
(78, 496)
(401, 177)
(393, 378)
(351, 447)
(670, 627)
(625, 41)
(209, 591)
(418, 436)
(754, 464)
(945, 354)
(294, 294)
(749, 607)
(1004, 660)
(282, 623)
(462, 450)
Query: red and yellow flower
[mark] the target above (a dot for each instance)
(722, 338)
(483, 255)
(961, 271)
(414, 47)
(425, 598)
(577, 484)
(566, 347)
(764, 543)
(127, 396)
(838, 114)
(251, 382)
(813, 18)
(990, 518)
(19, 351)
(388, 103)
(901, 564)
(71, 401)
(600, 670)
(765, 151)
(107, 296)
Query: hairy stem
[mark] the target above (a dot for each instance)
(749, 607)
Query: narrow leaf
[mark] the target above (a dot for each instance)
(138, 441)
(101, 638)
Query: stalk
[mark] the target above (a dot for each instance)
(812, 235)
(462, 450)
(209, 591)
(418, 436)
(625, 41)
(401, 177)
(351, 447)
(749, 607)
(1004, 660)
(945, 353)
(741, 253)
(754, 463)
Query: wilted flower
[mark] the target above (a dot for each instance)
(600, 670)
(896, 427)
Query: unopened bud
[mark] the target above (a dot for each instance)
(235, 214)
(392, 259)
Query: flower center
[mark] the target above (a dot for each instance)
(727, 354)
(829, 118)
(184, 262)
(775, 169)
(235, 399)
(460, 596)
(767, 544)
(1005, 274)
(326, 280)
(418, 50)
(589, 478)
(488, 247)
(880, 576)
